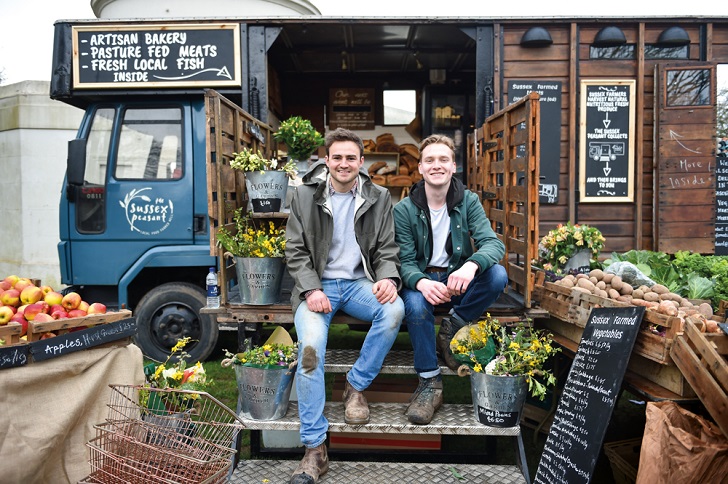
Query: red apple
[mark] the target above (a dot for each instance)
(42, 318)
(5, 314)
(71, 301)
(53, 298)
(83, 306)
(5, 285)
(33, 310)
(22, 321)
(59, 314)
(11, 279)
(30, 295)
(76, 313)
(47, 335)
(11, 297)
(56, 307)
(96, 308)
(22, 284)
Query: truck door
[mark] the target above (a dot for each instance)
(684, 157)
(137, 190)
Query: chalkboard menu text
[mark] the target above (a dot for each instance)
(607, 141)
(721, 206)
(80, 340)
(156, 55)
(589, 396)
(550, 108)
(351, 108)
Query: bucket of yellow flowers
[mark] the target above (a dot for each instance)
(258, 253)
(504, 364)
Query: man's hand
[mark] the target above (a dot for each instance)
(318, 302)
(385, 291)
(435, 292)
(459, 280)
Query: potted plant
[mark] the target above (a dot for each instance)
(300, 137)
(265, 376)
(504, 364)
(180, 382)
(559, 248)
(258, 254)
(266, 179)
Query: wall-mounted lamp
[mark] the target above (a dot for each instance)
(536, 37)
(610, 37)
(673, 37)
(418, 63)
(344, 64)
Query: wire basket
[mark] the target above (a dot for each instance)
(163, 436)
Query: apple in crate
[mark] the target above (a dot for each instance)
(48, 335)
(46, 289)
(11, 279)
(5, 285)
(59, 313)
(22, 283)
(33, 310)
(42, 318)
(21, 321)
(96, 308)
(6, 314)
(53, 298)
(71, 301)
(30, 295)
(11, 297)
(76, 313)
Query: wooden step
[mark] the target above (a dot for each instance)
(279, 471)
(389, 418)
(396, 362)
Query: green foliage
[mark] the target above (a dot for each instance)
(246, 160)
(251, 241)
(300, 137)
(564, 241)
(713, 267)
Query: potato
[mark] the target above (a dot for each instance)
(626, 289)
(659, 289)
(706, 310)
(711, 326)
(582, 276)
(651, 296)
(638, 293)
(607, 277)
(616, 283)
(586, 284)
(627, 299)
(601, 285)
(613, 293)
(644, 288)
(581, 289)
(667, 307)
(670, 296)
(594, 280)
(601, 293)
(565, 282)
(598, 273)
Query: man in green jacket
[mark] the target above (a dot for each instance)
(341, 253)
(436, 227)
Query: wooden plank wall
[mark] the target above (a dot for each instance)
(626, 225)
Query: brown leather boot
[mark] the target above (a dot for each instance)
(315, 463)
(356, 408)
(425, 401)
(442, 344)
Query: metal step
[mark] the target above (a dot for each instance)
(396, 362)
(389, 418)
(279, 472)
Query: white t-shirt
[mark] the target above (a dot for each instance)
(440, 221)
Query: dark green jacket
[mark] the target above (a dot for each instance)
(467, 220)
(310, 228)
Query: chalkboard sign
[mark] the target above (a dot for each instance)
(589, 395)
(351, 108)
(607, 141)
(12, 356)
(64, 344)
(169, 55)
(550, 131)
(721, 206)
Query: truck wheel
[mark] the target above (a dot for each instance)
(170, 312)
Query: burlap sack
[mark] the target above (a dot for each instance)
(681, 447)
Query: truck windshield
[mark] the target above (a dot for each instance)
(150, 145)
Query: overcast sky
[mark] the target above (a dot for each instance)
(26, 26)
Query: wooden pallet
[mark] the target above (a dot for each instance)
(701, 357)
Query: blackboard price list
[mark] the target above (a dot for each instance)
(589, 395)
(721, 206)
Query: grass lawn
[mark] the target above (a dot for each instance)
(627, 420)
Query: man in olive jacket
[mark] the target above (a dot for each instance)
(341, 253)
(436, 227)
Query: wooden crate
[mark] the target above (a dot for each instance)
(701, 357)
(554, 298)
(624, 457)
(62, 326)
(11, 333)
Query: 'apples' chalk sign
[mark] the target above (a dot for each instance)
(589, 395)
(46, 349)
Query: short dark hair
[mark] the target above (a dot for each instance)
(342, 134)
(438, 139)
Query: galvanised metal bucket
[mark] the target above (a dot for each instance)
(266, 190)
(263, 393)
(498, 400)
(259, 279)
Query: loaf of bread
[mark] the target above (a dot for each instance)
(376, 166)
(387, 170)
(399, 181)
(379, 179)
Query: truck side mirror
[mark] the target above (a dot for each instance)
(76, 163)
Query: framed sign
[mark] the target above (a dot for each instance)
(156, 55)
(351, 108)
(606, 128)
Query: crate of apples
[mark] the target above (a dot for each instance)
(35, 308)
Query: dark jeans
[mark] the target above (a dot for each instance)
(420, 315)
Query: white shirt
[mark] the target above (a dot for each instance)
(440, 221)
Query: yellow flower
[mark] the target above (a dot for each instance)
(181, 343)
(478, 368)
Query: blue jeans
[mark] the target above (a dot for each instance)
(356, 299)
(483, 290)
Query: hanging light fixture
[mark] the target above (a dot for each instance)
(536, 37)
(344, 65)
(610, 36)
(673, 37)
(418, 63)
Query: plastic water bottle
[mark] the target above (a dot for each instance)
(213, 291)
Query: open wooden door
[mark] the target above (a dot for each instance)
(684, 157)
(503, 168)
